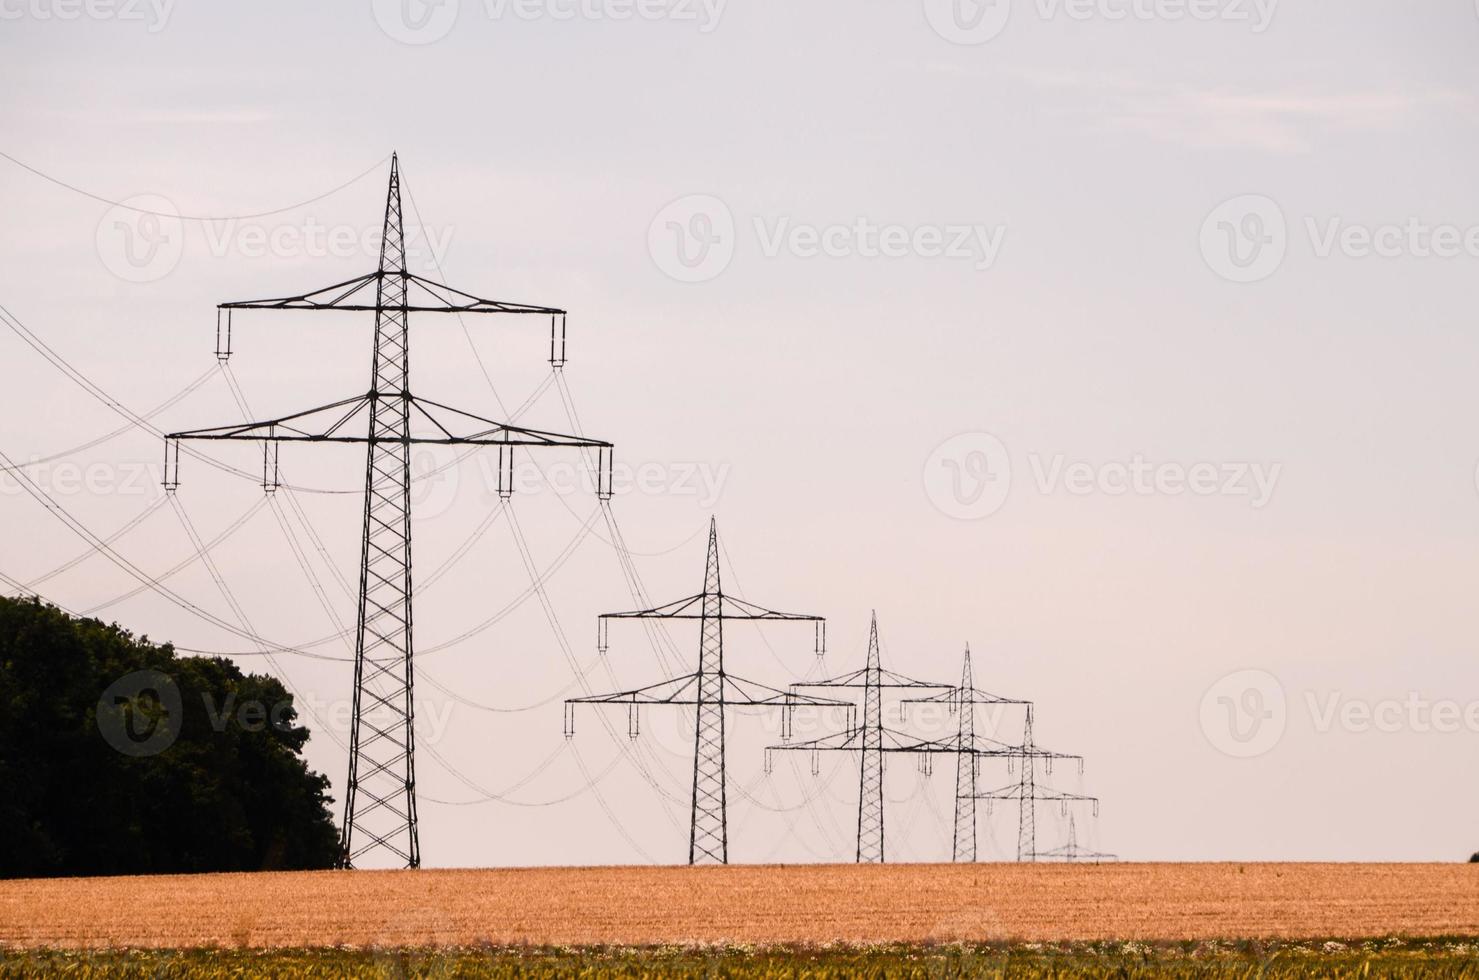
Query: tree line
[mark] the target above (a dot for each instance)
(119, 757)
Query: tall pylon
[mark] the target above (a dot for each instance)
(872, 740)
(708, 830)
(380, 789)
(711, 690)
(382, 739)
(870, 778)
(967, 765)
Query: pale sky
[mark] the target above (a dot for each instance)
(1132, 349)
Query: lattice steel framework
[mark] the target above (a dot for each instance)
(1071, 852)
(1028, 792)
(873, 740)
(963, 701)
(870, 769)
(380, 790)
(711, 690)
(967, 766)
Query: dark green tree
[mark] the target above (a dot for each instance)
(119, 757)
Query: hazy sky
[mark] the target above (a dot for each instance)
(1128, 341)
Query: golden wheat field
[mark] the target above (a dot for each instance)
(745, 905)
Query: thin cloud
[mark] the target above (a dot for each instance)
(1223, 117)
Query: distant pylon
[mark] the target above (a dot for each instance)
(711, 690)
(1071, 852)
(969, 748)
(1027, 808)
(1028, 792)
(872, 740)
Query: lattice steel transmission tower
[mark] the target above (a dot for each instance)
(1028, 793)
(380, 791)
(1071, 852)
(872, 740)
(969, 749)
(712, 690)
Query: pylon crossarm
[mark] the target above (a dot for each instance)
(677, 609)
(330, 297)
(848, 741)
(500, 433)
(457, 301)
(1038, 753)
(885, 678)
(896, 741)
(732, 607)
(336, 416)
(958, 696)
(729, 608)
(986, 745)
(889, 741)
(737, 692)
(1014, 792)
(1066, 853)
(676, 690)
(422, 296)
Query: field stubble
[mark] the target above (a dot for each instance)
(750, 905)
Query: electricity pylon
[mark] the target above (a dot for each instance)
(1027, 793)
(380, 792)
(711, 690)
(963, 700)
(873, 740)
(1071, 852)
